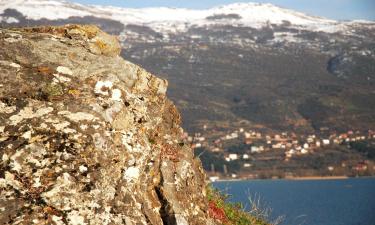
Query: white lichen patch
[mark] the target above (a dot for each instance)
(61, 126)
(5, 157)
(99, 141)
(62, 194)
(37, 183)
(112, 111)
(103, 87)
(83, 126)
(14, 164)
(162, 87)
(180, 220)
(7, 109)
(27, 134)
(58, 220)
(15, 65)
(196, 210)
(69, 131)
(75, 218)
(64, 70)
(3, 183)
(28, 113)
(78, 116)
(43, 126)
(10, 180)
(82, 168)
(185, 170)
(131, 174)
(116, 95)
(58, 78)
(130, 145)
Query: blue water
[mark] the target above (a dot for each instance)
(310, 202)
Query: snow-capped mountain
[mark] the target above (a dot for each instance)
(174, 19)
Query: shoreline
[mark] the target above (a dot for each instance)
(318, 178)
(294, 178)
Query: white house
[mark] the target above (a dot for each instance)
(233, 156)
(254, 149)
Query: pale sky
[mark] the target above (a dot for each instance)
(333, 9)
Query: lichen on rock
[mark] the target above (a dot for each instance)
(89, 138)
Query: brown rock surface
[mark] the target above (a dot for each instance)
(88, 138)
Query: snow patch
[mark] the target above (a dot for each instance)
(171, 20)
(10, 20)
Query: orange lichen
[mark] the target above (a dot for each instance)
(51, 211)
(74, 92)
(100, 44)
(44, 70)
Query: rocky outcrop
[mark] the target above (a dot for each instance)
(88, 138)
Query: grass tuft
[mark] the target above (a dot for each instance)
(234, 213)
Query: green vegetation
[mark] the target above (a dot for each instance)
(365, 147)
(216, 160)
(234, 213)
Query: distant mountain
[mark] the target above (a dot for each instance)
(243, 64)
(174, 20)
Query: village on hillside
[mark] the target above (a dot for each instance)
(237, 154)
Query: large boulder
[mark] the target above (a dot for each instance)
(89, 138)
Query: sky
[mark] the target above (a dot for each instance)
(333, 9)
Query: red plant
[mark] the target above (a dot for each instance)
(216, 212)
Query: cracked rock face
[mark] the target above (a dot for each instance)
(88, 138)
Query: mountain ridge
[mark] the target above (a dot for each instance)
(250, 14)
